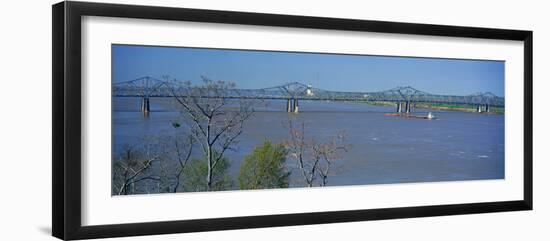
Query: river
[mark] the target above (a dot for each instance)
(385, 149)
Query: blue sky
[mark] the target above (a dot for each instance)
(259, 69)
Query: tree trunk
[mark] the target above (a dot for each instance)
(209, 174)
(208, 158)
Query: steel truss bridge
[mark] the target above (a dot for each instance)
(403, 97)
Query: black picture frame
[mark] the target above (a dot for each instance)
(66, 47)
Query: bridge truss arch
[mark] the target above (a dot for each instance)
(147, 86)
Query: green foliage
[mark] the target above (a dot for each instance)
(264, 168)
(194, 176)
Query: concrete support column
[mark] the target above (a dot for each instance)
(288, 105)
(399, 107)
(408, 107)
(478, 108)
(296, 105)
(145, 107)
(486, 107)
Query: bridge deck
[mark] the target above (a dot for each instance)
(151, 87)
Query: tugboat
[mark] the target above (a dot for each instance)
(430, 116)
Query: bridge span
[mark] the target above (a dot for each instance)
(403, 97)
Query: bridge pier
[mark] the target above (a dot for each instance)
(292, 105)
(408, 107)
(145, 107)
(483, 108)
(288, 106)
(399, 107)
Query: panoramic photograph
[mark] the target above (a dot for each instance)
(187, 119)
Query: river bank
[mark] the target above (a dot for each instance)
(436, 106)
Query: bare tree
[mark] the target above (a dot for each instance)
(313, 156)
(298, 148)
(183, 150)
(330, 152)
(216, 120)
(155, 165)
(303, 151)
(131, 168)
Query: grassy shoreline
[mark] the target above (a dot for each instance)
(436, 106)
